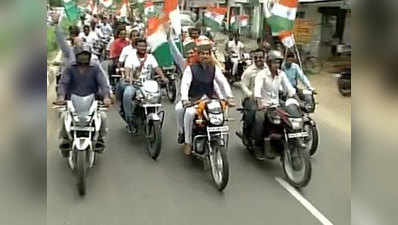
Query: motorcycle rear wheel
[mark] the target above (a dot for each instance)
(219, 166)
(154, 139)
(290, 173)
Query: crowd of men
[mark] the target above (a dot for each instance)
(85, 73)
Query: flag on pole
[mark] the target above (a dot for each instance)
(214, 17)
(158, 42)
(280, 16)
(71, 10)
(106, 3)
(243, 21)
(124, 10)
(172, 11)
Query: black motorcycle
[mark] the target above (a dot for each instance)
(171, 87)
(308, 107)
(210, 138)
(286, 126)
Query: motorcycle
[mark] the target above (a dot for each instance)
(308, 107)
(171, 87)
(82, 122)
(211, 137)
(286, 126)
(344, 83)
(149, 113)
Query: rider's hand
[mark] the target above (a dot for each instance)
(314, 91)
(165, 80)
(185, 103)
(107, 102)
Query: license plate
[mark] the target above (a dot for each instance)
(296, 135)
(91, 129)
(218, 129)
(152, 105)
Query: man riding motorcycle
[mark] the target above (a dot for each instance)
(82, 79)
(140, 64)
(234, 46)
(255, 71)
(295, 73)
(199, 80)
(266, 92)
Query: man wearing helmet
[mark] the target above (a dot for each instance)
(199, 80)
(83, 78)
(266, 92)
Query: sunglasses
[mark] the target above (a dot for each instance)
(258, 57)
(204, 53)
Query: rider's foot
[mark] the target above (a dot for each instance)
(259, 153)
(132, 130)
(181, 138)
(187, 149)
(65, 147)
(100, 145)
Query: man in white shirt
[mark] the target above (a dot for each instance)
(136, 65)
(88, 36)
(266, 92)
(235, 50)
(129, 50)
(199, 80)
(258, 69)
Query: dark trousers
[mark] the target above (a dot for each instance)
(261, 128)
(249, 116)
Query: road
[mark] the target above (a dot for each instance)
(128, 187)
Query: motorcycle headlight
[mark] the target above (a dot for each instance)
(297, 123)
(153, 97)
(216, 119)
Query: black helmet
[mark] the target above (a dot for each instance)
(79, 51)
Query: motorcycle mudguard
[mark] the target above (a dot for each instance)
(82, 144)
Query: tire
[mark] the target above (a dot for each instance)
(220, 177)
(171, 90)
(154, 139)
(312, 149)
(344, 86)
(288, 170)
(313, 65)
(81, 171)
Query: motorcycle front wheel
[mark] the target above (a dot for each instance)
(312, 140)
(154, 139)
(219, 166)
(297, 177)
(81, 171)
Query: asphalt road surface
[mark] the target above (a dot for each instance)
(127, 187)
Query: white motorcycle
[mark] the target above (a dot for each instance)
(82, 123)
(149, 113)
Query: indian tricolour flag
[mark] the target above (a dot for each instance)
(243, 21)
(234, 22)
(280, 16)
(172, 11)
(124, 10)
(149, 10)
(106, 3)
(71, 10)
(214, 17)
(157, 41)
